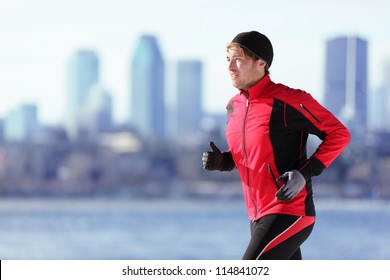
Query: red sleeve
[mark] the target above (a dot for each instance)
(321, 122)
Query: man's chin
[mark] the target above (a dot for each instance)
(236, 85)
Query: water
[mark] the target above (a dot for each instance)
(176, 229)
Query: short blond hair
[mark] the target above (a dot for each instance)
(249, 54)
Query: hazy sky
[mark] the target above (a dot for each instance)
(39, 36)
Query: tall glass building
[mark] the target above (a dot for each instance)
(83, 74)
(147, 88)
(97, 113)
(346, 79)
(189, 97)
(21, 123)
(380, 103)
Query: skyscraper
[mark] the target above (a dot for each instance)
(97, 112)
(21, 123)
(380, 103)
(147, 88)
(346, 79)
(83, 74)
(189, 92)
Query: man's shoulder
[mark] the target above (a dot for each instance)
(288, 93)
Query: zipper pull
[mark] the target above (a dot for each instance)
(247, 102)
(304, 109)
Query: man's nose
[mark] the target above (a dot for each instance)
(231, 65)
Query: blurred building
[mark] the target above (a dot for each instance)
(21, 124)
(189, 97)
(97, 112)
(83, 74)
(346, 80)
(147, 88)
(379, 103)
(1, 130)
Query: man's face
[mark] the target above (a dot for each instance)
(244, 71)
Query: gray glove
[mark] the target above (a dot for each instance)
(294, 183)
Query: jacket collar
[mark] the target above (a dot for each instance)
(258, 89)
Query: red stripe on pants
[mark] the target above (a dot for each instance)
(296, 227)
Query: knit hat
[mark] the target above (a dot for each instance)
(256, 43)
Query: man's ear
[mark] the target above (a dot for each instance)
(261, 63)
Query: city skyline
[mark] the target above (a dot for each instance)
(90, 106)
(39, 40)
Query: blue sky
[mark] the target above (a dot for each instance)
(39, 36)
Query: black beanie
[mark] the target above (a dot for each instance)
(257, 44)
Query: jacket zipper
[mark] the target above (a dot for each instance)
(273, 176)
(246, 156)
(304, 108)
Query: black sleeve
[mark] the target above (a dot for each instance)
(228, 163)
(312, 167)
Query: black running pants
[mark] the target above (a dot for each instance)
(278, 237)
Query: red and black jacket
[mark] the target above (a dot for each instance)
(267, 131)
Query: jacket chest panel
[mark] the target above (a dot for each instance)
(247, 131)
